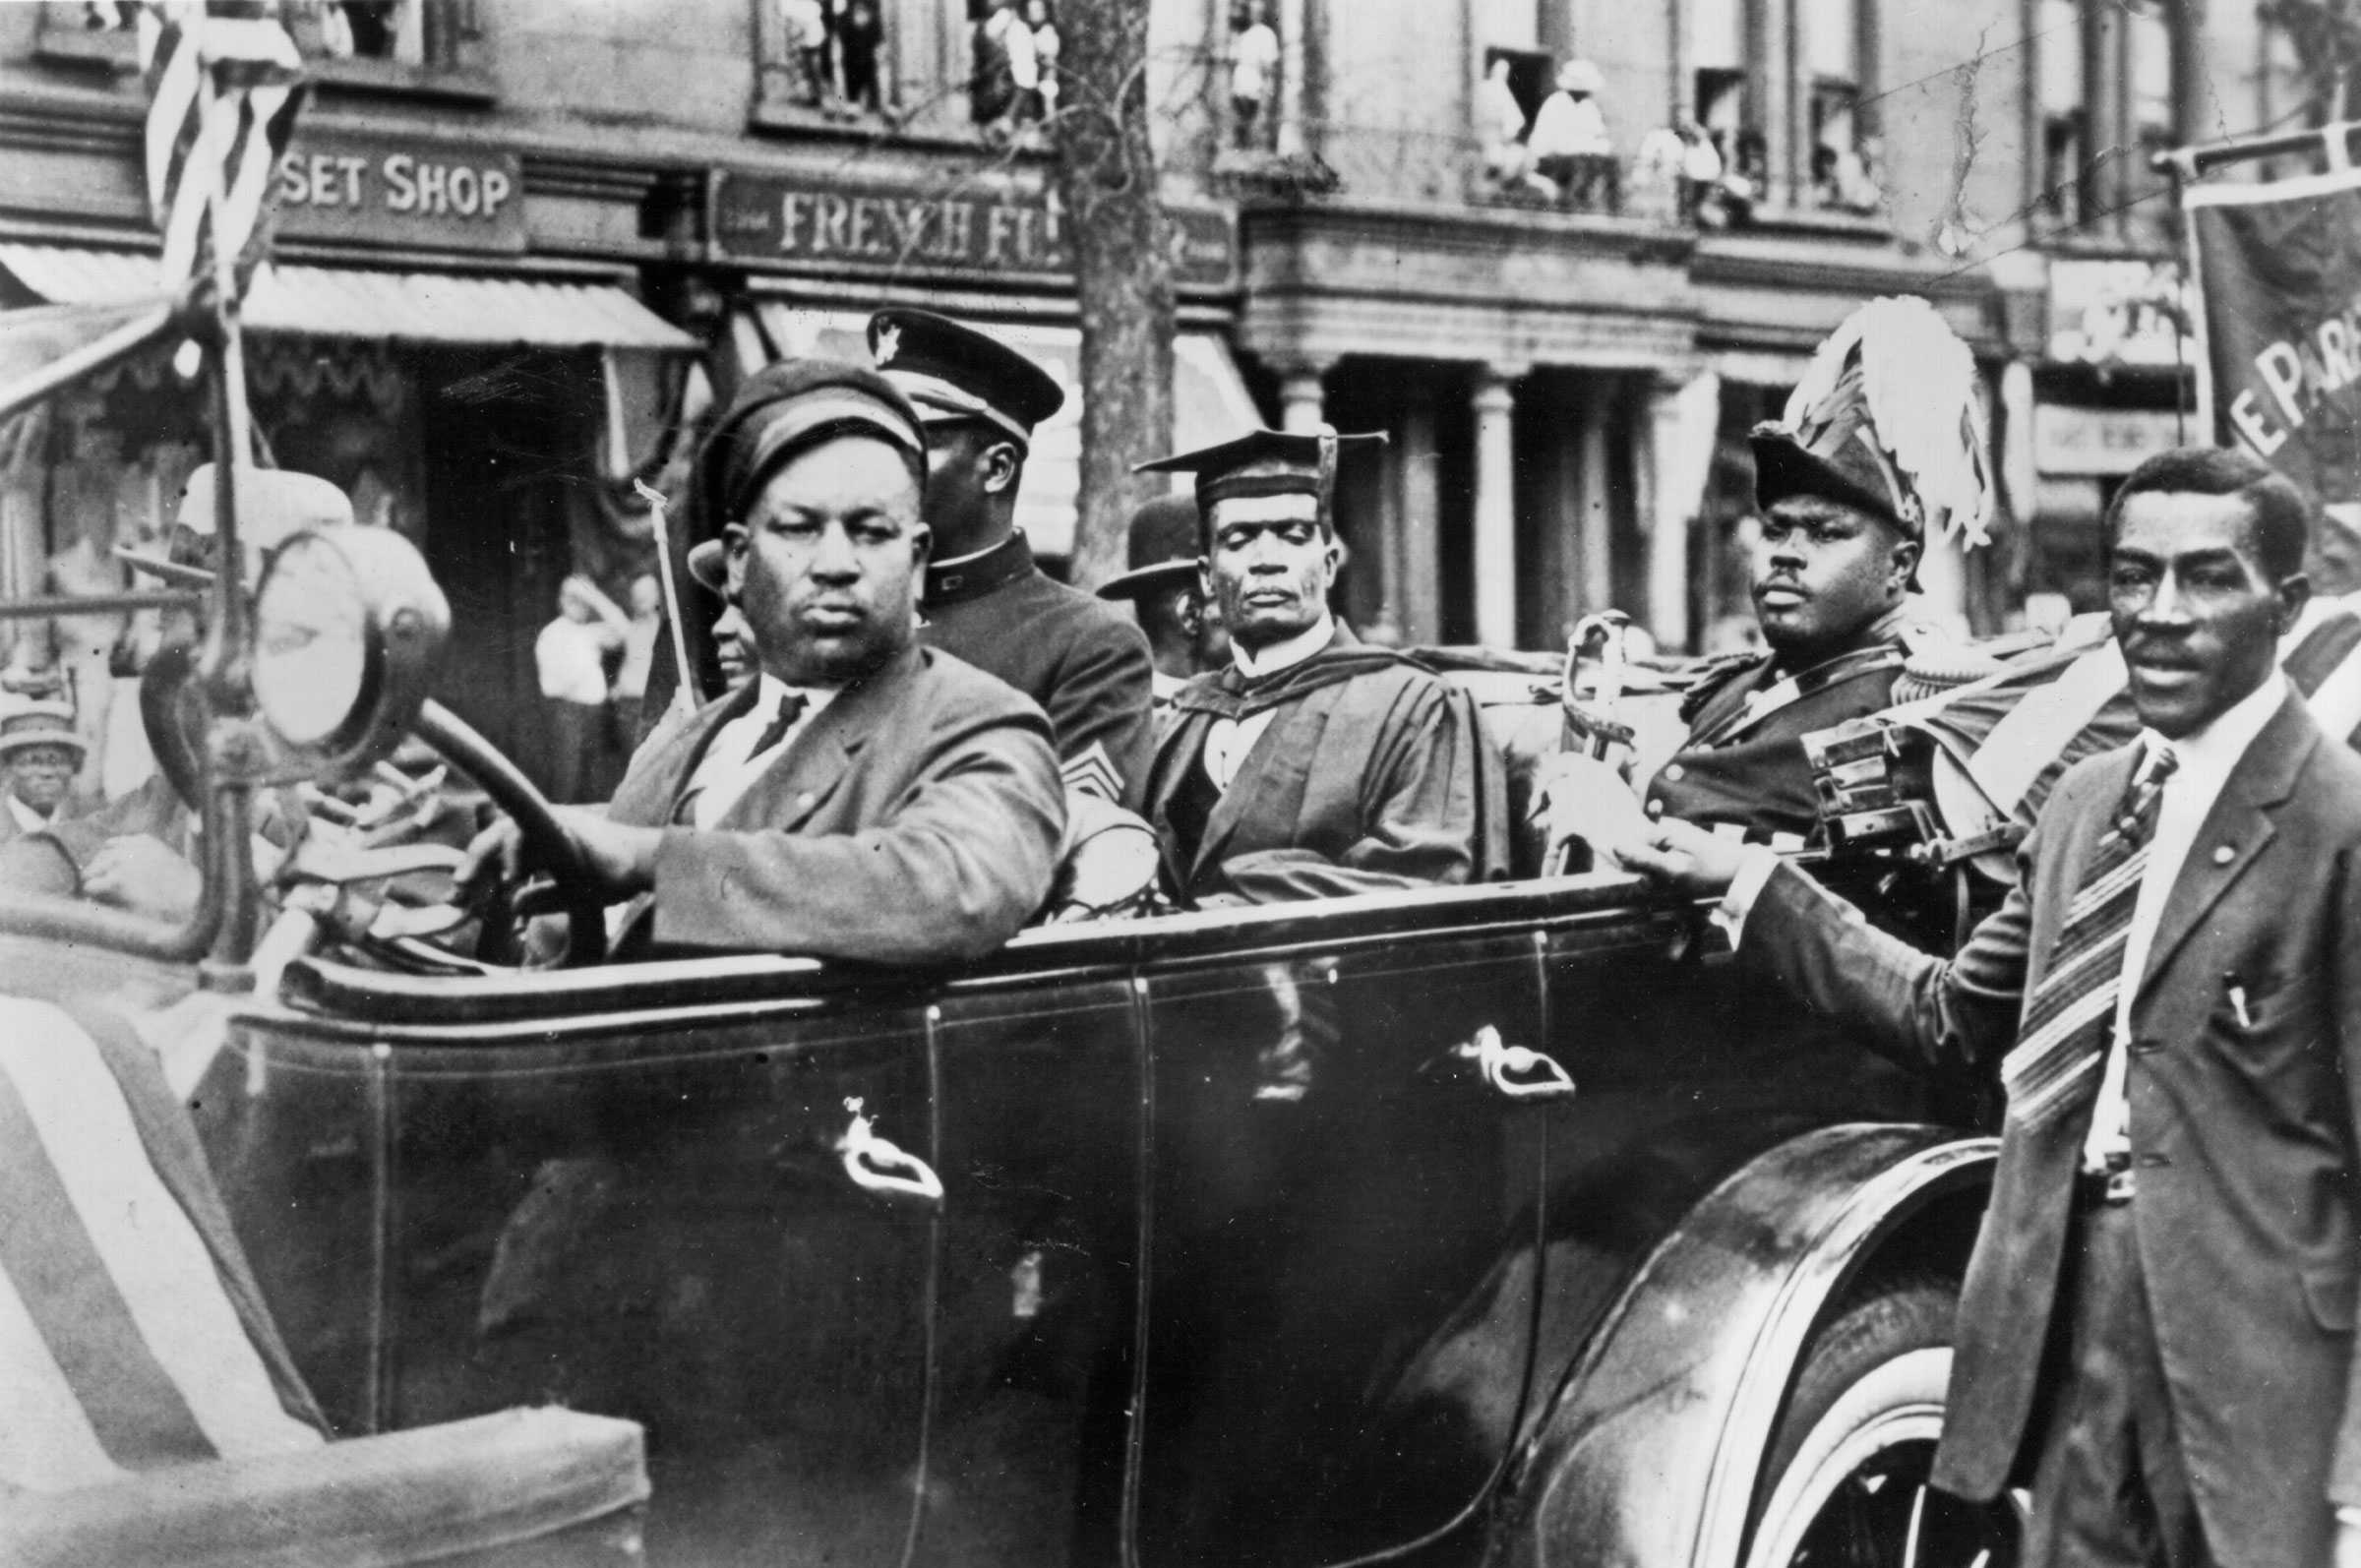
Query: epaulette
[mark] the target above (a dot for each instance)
(1709, 676)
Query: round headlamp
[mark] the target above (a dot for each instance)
(348, 622)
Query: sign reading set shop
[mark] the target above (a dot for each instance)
(965, 226)
(379, 190)
(2278, 270)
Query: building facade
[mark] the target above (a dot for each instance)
(522, 243)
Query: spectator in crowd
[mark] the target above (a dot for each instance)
(1046, 45)
(1700, 170)
(85, 644)
(38, 755)
(1656, 173)
(1500, 124)
(1168, 595)
(570, 656)
(627, 699)
(1573, 160)
(1254, 77)
(806, 23)
(860, 37)
(994, 85)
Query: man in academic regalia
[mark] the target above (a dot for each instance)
(1313, 766)
(984, 598)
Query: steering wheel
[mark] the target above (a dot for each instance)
(547, 844)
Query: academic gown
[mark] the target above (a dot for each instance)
(1374, 775)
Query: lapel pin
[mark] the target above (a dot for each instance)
(2224, 854)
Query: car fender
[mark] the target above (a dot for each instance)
(1649, 1454)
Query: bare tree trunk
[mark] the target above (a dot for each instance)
(1123, 269)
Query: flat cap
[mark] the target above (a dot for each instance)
(1162, 552)
(951, 371)
(789, 407)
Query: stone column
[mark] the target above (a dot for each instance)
(1303, 397)
(1418, 606)
(1665, 511)
(1495, 507)
(1594, 522)
(1293, 22)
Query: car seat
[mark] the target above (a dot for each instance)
(150, 1412)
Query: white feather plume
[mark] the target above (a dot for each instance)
(1920, 383)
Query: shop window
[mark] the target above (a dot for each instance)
(432, 45)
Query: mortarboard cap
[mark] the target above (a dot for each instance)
(1268, 462)
(953, 372)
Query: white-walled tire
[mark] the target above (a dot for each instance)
(1844, 1483)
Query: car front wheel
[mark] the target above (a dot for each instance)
(1846, 1485)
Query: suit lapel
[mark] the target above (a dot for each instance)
(814, 764)
(1176, 751)
(2239, 821)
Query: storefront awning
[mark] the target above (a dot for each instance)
(355, 302)
(1210, 402)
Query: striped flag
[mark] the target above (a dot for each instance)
(222, 96)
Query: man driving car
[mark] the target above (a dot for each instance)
(862, 797)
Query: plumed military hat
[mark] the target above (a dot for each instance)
(953, 372)
(1162, 552)
(1268, 462)
(789, 407)
(28, 725)
(1886, 420)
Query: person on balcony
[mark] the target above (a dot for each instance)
(1573, 159)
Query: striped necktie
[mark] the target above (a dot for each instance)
(2064, 1037)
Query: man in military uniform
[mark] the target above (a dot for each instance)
(1847, 487)
(1315, 766)
(984, 598)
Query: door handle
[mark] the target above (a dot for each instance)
(877, 1165)
(1517, 1072)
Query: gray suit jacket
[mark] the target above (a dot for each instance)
(915, 820)
(2243, 1130)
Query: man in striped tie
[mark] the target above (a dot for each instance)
(2156, 1326)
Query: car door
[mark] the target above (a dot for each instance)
(1041, 1135)
(1337, 1322)
(640, 1213)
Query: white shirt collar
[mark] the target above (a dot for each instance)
(1287, 652)
(31, 821)
(2208, 753)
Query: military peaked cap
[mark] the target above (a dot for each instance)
(952, 372)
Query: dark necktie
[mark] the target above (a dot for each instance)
(791, 708)
(2063, 1040)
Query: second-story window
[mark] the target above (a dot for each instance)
(2066, 191)
(1252, 62)
(1838, 153)
(379, 42)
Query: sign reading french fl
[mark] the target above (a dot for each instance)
(891, 229)
(374, 190)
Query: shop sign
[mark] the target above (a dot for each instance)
(798, 220)
(401, 191)
(2100, 441)
(2116, 313)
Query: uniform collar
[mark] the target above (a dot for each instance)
(973, 577)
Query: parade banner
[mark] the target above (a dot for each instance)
(2278, 273)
